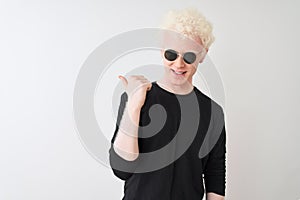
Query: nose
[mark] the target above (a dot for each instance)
(179, 62)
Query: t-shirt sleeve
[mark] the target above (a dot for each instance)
(122, 168)
(215, 168)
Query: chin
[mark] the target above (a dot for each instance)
(178, 82)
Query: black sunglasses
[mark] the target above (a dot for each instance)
(188, 57)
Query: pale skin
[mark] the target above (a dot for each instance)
(126, 141)
(136, 87)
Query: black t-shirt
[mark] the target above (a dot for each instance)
(185, 124)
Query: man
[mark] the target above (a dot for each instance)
(181, 179)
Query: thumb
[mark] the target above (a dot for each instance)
(149, 87)
(124, 80)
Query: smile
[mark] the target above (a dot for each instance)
(178, 72)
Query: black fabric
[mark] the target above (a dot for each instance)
(189, 176)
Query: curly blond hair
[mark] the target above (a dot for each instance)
(191, 23)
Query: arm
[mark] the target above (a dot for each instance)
(215, 168)
(124, 144)
(126, 141)
(124, 151)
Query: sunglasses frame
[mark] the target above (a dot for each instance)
(182, 55)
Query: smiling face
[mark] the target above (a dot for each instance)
(178, 72)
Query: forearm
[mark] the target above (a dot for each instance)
(215, 169)
(126, 141)
(214, 196)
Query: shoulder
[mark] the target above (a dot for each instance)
(155, 92)
(207, 102)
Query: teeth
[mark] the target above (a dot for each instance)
(178, 72)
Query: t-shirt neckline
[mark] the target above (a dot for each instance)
(166, 91)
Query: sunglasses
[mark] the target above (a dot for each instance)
(188, 57)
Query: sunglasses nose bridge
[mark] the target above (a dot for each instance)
(179, 60)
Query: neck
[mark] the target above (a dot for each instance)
(182, 89)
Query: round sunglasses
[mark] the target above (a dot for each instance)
(188, 57)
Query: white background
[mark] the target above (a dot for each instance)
(44, 43)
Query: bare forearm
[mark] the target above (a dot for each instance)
(126, 142)
(214, 196)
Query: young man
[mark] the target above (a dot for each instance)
(183, 178)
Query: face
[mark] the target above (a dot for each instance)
(178, 71)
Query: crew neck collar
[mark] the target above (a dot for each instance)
(161, 88)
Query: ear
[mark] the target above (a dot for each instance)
(203, 55)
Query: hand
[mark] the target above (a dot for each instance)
(136, 88)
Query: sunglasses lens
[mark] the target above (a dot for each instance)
(170, 55)
(189, 57)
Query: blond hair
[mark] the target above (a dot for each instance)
(191, 23)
